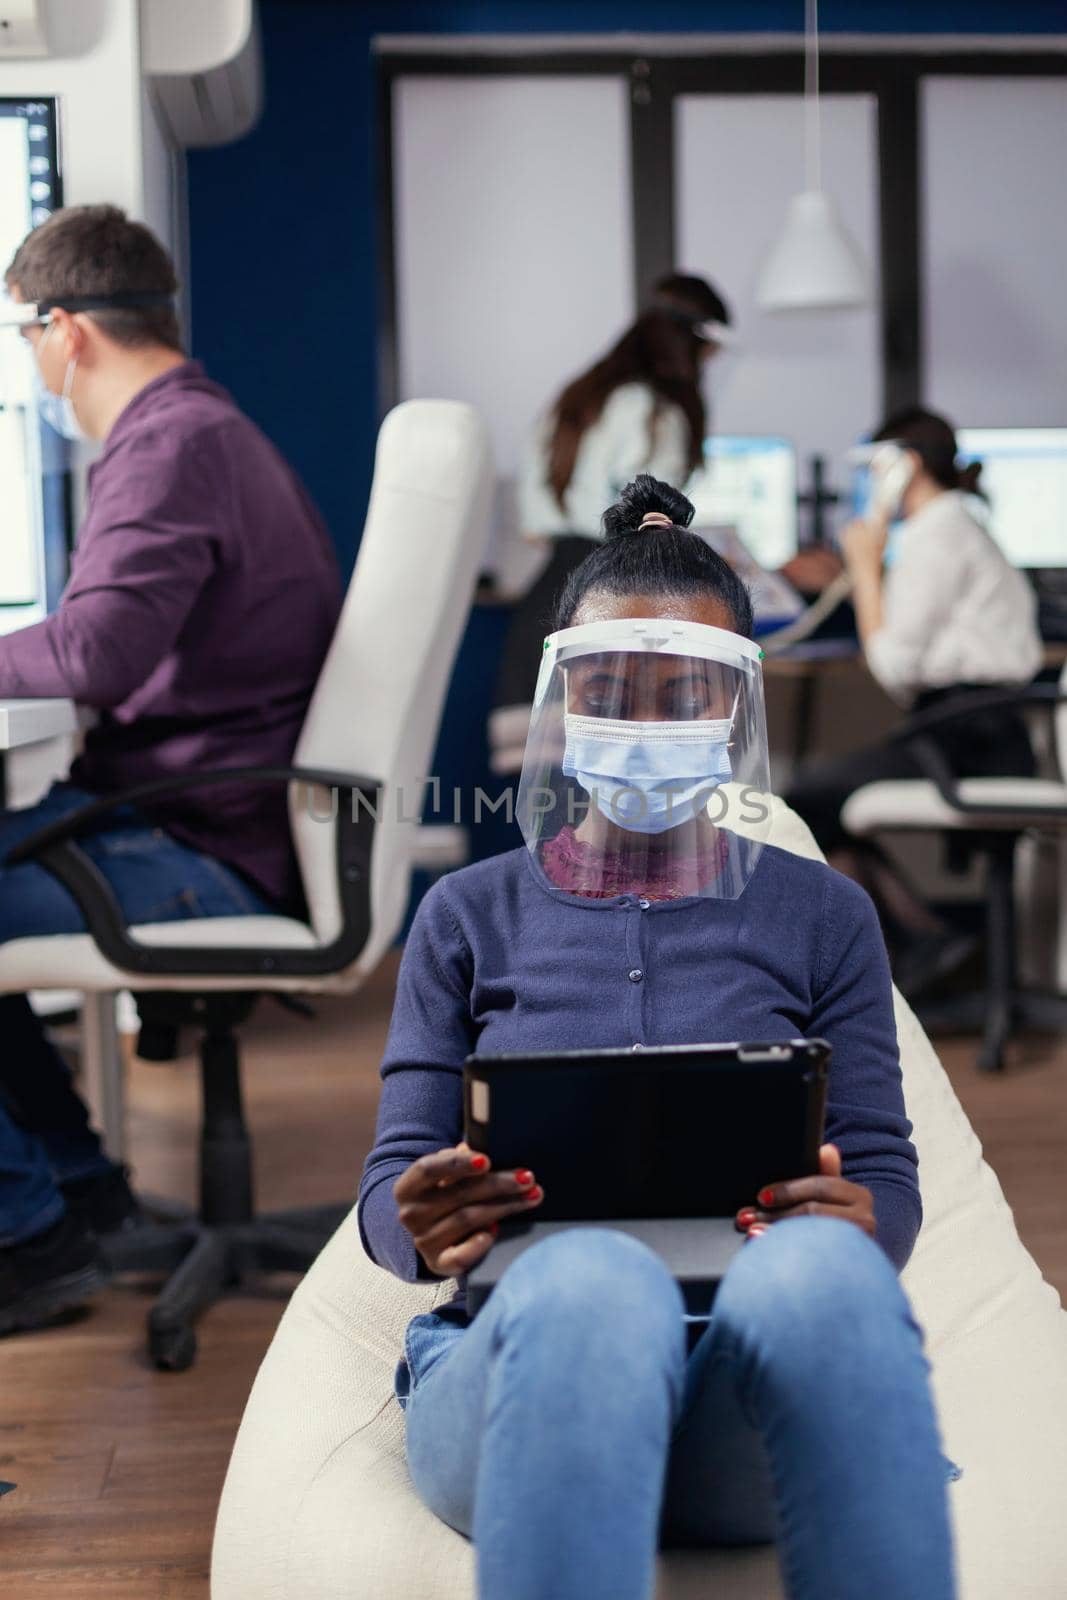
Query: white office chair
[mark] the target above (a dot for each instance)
(990, 815)
(355, 790)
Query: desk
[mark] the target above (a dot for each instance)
(812, 660)
(31, 726)
(808, 663)
(37, 722)
(24, 722)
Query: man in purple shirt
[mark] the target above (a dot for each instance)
(202, 600)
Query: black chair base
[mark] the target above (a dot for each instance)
(203, 1260)
(1003, 1005)
(226, 1245)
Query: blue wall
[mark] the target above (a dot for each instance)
(282, 243)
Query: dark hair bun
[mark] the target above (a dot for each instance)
(968, 478)
(666, 562)
(645, 494)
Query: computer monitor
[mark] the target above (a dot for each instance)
(1024, 480)
(749, 483)
(32, 463)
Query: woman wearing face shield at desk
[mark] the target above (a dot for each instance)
(572, 1426)
(948, 616)
(640, 408)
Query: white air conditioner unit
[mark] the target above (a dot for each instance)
(22, 30)
(202, 60)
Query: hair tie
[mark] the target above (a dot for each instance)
(654, 519)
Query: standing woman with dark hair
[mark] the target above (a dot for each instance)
(638, 409)
(578, 1421)
(949, 615)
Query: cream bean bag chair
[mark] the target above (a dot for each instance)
(318, 1504)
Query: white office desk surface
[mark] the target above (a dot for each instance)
(24, 722)
(37, 722)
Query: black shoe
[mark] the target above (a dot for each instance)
(104, 1202)
(55, 1271)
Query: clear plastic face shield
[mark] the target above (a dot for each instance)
(646, 768)
(721, 347)
(24, 333)
(721, 363)
(21, 348)
(18, 367)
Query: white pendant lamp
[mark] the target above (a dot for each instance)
(815, 264)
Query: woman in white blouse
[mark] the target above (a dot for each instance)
(639, 408)
(948, 615)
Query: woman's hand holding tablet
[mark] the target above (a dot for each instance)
(827, 1195)
(451, 1204)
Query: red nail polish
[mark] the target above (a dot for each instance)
(533, 1194)
(746, 1217)
(479, 1163)
(756, 1229)
(524, 1176)
(766, 1197)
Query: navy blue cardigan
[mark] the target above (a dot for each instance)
(498, 960)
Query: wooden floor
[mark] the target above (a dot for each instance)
(118, 1468)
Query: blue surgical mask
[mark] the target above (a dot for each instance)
(58, 409)
(647, 776)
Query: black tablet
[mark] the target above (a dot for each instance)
(667, 1131)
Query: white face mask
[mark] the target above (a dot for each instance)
(58, 409)
(647, 776)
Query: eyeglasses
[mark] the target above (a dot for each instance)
(22, 318)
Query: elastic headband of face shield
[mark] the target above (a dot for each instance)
(646, 770)
(667, 636)
(881, 450)
(706, 328)
(21, 315)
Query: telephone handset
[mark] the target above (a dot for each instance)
(892, 469)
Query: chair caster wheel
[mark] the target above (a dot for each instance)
(172, 1349)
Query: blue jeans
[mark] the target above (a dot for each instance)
(567, 1432)
(45, 1137)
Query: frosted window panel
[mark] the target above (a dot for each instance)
(514, 255)
(995, 223)
(810, 376)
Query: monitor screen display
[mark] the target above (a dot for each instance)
(749, 483)
(33, 517)
(1024, 481)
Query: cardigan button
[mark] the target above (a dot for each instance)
(635, 975)
(644, 904)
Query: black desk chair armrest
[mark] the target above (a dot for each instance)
(918, 731)
(967, 705)
(78, 823)
(53, 847)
